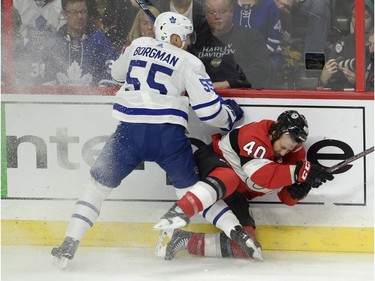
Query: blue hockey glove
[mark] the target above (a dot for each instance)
(235, 112)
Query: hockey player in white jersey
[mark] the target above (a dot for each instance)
(152, 108)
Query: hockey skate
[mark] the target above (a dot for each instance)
(178, 241)
(174, 218)
(247, 243)
(65, 252)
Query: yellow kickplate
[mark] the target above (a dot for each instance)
(116, 234)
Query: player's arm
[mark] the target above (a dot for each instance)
(292, 194)
(207, 104)
(118, 69)
(269, 174)
(272, 175)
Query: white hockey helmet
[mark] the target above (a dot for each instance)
(169, 23)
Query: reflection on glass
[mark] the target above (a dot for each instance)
(324, 27)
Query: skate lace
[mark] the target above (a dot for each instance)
(176, 211)
(180, 242)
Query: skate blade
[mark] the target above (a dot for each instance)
(163, 240)
(166, 225)
(257, 251)
(61, 262)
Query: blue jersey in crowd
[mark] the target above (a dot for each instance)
(264, 17)
(82, 62)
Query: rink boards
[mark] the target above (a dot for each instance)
(49, 143)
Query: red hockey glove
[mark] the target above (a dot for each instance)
(314, 175)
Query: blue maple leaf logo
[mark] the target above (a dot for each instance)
(172, 19)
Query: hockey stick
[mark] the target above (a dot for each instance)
(144, 7)
(349, 160)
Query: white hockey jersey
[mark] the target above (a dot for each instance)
(156, 76)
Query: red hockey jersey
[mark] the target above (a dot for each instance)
(249, 151)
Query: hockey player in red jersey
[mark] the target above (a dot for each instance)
(250, 161)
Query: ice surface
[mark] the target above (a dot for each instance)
(34, 263)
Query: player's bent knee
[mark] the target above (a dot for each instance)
(104, 178)
(227, 178)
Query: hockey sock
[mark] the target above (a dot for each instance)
(200, 196)
(190, 204)
(216, 245)
(220, 215)
(87, 209)
(196, 244)
(205, 244)
(206, 192)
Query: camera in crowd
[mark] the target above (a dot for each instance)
(347, 63)
(314, 61)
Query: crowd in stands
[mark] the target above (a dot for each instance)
(339, 70)
(242, 43)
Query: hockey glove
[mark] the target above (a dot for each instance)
(314, 175)
(235, 112)
(298, 190)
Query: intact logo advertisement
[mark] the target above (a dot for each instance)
(49, 148)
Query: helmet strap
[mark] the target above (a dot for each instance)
(172, 38)
(182, 41)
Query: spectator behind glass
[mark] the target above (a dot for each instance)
(114, 18)
(318, 14)
(192, 9)
(370, 66)
(335, 75)
(17, 43)
(39, 20)
(285, 19)
(142, 25)
(234, 56)
(79, 54)
(263, 15)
